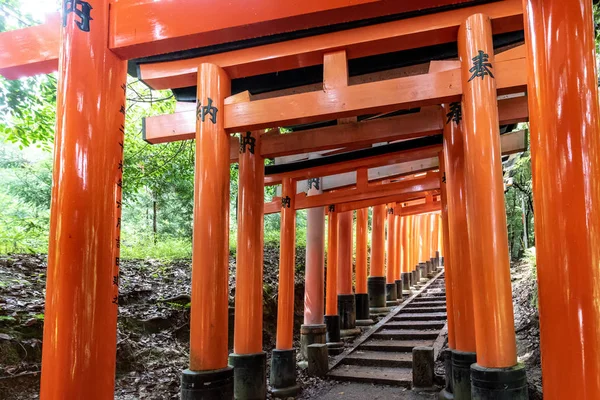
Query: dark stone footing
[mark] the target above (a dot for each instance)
(249, 376)
(415, 277)
(362, 306)
(391, 294)
(447, 393)
(399, 289)
(423, 367)
(207, 385)
(499, 383)
(347, 311)
(311, 334)
(332, 323)
(376, 289)
(405, 278)
(283, 373)
(461, 374)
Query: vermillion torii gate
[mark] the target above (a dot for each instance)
(81, 309)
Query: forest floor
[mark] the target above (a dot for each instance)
(153, 328)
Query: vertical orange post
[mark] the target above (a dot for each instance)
(248, 360)
(404, 242)
(391, 292)
(283, 363)
(398, 247)
(314, 330)
(362, 217)
(210, 256)
(346, 300)
(563, 104)
(80, 330)
(435, 235)
(332, 319)
(377, 281)
(492, 294)
(285, 300)
(361, 294)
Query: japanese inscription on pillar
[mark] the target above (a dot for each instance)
(247, 140)
(390, 210)
(316, 182)
(208, 109)
(455, 113)
(81, 9)
(481, 66)
(286, 202)
(332, 208)
(444, 177)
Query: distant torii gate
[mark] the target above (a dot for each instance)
(83, 261)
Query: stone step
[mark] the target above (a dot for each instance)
(425, 304)
(410, 308)
(420, 317)
(393, 345)
(379, 359)
(405, 334)
(422, 325)
(370, 374)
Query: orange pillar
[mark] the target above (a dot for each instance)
(492, 296)
(563, 109)
(376, 281)
(332, 319)
(283, 362)
(398, 244)
(362, 217)
(404, 242)
(210, 256)
(391, 292)
(361, 294)
(248, 359)
(80, 330)
(346, 300)
(287, 252)
(313, 330)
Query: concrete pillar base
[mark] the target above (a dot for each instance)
(398, 283)
(499, 383)
(207, 385)
(332, 324)
(379, 311)
(376, 289)
(249, 375)
(333, 349)
(461, 374)
(391, 294)
(405, 279)
(415, 278)
(362, 306)
(348, 333)
(311, 334)
(429, 268)
(347, 311)
(283, 373)
(364, 322)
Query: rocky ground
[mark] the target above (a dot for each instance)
(153, 327)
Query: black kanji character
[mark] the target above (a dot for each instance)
(455, 113)
(117, 261)
(118, 242)
(332, 208)
(203, 111)
(120, 167)
(120, 183)
(122, 110)
(444, 178)
(118, 222)
(316, 182)
(286, 202)
(124, 88)
(247, 140)
(115, 300)
(118, 203)
(116, 280)
(390, 210)
(481, 66)
(84, 13)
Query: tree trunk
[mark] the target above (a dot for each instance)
(154, 209)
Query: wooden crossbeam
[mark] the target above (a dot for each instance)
(368, 98)
(424, 208)
(359, 42)
(382, 200)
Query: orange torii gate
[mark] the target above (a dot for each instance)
(86, 198)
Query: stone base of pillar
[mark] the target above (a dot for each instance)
(350, 333)
(423, 272)
(429, 268)
(423, 365)
(442, 262)
(447, 392)
(318, 364)
(405, 279)
(363, 314)
(249, 375)
(379, 312)
(461, 374)
(211, 385)
(499, 383)
(391, 294)
(332, 324)
(347, 311)
(283, 374)
(398, 289)
(376, 289)
(311, 334)
(414, 278)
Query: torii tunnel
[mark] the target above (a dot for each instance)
(400, 113)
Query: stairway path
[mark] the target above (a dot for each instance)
(384, 353)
